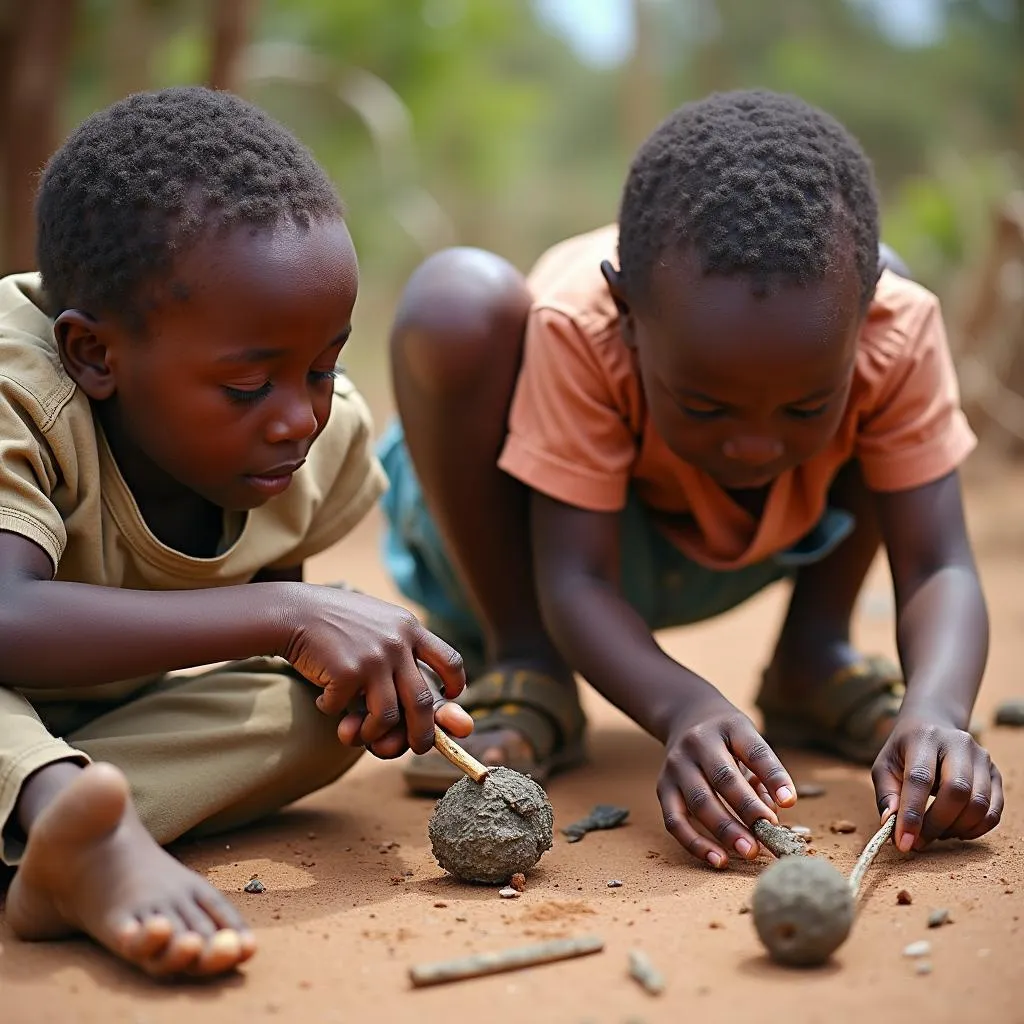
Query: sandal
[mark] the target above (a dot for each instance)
(541, 709)
(850, 716)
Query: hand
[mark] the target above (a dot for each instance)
(356, 646)
(924, 756)
(720, 773)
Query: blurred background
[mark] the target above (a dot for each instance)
(510, 123)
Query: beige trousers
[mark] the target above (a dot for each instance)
(202, 753)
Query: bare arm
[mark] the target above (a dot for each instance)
(718, 768)
(55, 635)
(942, 632)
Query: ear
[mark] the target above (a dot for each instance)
(613, 278)
(85, 352)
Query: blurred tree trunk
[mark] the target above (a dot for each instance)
(641, 94)
(35, 44)
(229, 33)
(132, 38)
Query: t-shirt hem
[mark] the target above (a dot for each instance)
(561, 480)
(916, 468)
(14, 521)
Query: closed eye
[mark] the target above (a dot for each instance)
(248, 396)
(807, 413)
(703, 415)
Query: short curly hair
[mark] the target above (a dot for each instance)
(758, 183)
(139, 183)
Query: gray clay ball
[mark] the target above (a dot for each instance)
(803, 911)
(488, 832)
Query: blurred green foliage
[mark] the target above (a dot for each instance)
(519, 143)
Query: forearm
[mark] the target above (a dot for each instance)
(603, 638)
(943, 633)
(54, 635)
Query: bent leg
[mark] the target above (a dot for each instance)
(456, 349)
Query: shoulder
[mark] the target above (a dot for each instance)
(31, 373)
(904, 318)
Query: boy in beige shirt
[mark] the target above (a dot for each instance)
(175, 440)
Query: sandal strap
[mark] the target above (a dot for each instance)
(543, 709)
(850, 690)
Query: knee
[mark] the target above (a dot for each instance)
(461, 317)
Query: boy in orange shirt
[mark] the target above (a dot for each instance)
(727, 388)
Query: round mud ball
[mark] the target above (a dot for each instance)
(803, 911)
(487, 832)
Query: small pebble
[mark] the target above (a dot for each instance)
(744, 909)
(800, 830)
(518, 881)
(843, 826)
(923, 967)
(254, 885)
(440, 905)
(508, 893)
(614, 884)
(1011, 712)
(809, 790)
(937, 918)
(918, 949)
(903, 898)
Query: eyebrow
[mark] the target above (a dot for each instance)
(263, 355)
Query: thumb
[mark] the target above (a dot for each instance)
(888, 784)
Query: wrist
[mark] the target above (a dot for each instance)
(281, 609)
(934, 710)
(694, 701)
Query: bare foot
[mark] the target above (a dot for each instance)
(90, 866)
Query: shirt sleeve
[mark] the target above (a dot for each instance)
(914, 431)
(346, 478)
(29, 474)
(569, 435)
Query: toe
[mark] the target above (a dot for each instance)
(196, 919)
(221, 953)
(220, 909)
(147, 939)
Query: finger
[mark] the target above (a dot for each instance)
(759, 787)
(888, 781)
(444, 660)
(350, 727)
(392, 745)
(417, 701)
(384, 711)
(336, 697)
(977, 806)
(919, 775)
(453, 718)
(703, 804)
(678, 824)
(995, 806)
(728, 781)
(749, 747)
(955, 787)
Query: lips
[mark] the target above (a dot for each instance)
(280, 470)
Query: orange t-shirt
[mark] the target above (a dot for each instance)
(580, 432)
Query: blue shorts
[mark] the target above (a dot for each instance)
(665, 586)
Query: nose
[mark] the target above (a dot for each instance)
(753, 451)
(292, 420)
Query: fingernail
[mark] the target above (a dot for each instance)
(744, 847)
(783, 793)
(906, 842)
(716, 860)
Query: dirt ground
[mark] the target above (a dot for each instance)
(353, 896)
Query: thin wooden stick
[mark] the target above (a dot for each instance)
(877, 841)
(506, 960)
(462, 760)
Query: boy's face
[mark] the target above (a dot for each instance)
(232, 382)
(741, 386)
